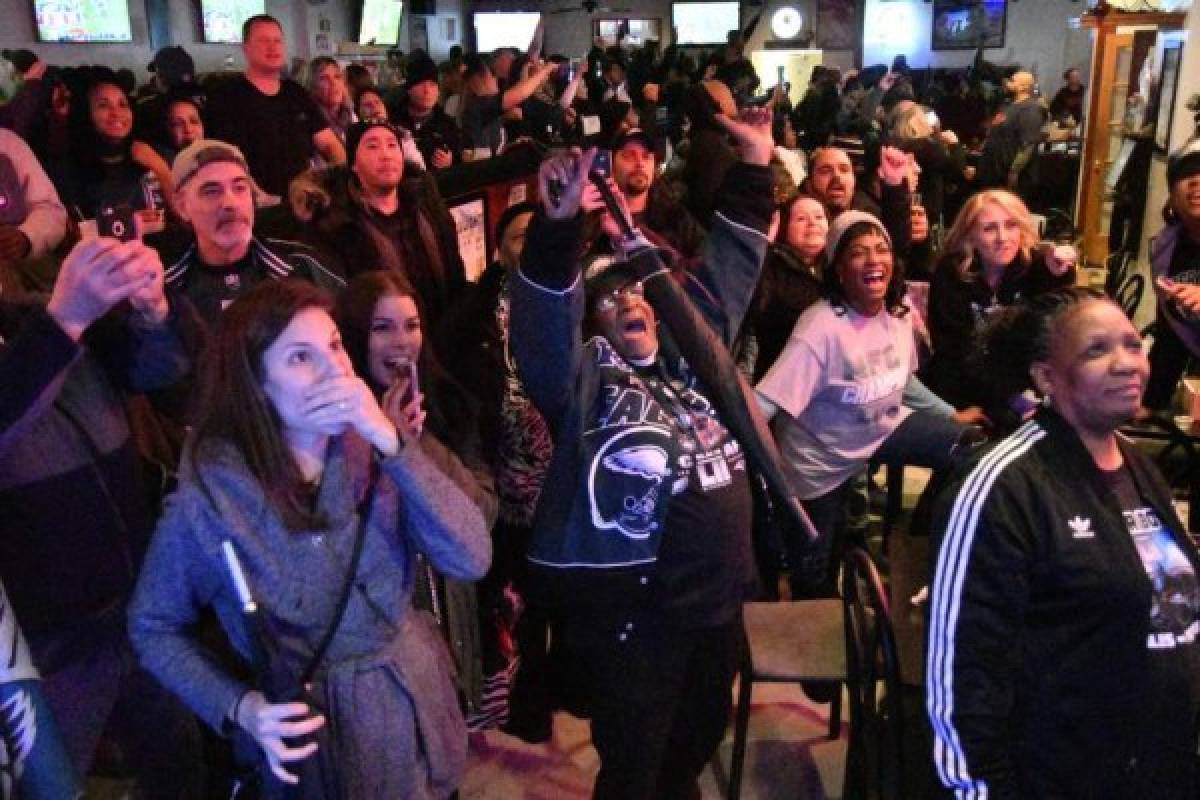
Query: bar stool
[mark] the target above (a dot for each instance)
(842, 641)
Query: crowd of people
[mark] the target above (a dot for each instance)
(287, 500)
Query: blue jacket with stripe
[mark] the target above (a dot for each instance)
(600, 517)
(1038, 680)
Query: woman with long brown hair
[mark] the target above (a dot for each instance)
(302, 502)
(380, 317)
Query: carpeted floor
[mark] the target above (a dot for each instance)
(788, 756)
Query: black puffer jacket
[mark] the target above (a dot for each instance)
(424, 247)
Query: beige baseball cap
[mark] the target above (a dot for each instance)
(201, 153)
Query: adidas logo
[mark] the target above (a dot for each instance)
(1081, 528)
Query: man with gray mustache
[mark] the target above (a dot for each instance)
(215, 194)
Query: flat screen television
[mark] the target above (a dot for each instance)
(222, 20)
(704, 23)
(504, 29)
(380, 22)
(82, 20)
(966, 26)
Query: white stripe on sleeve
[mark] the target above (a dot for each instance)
(946, 598)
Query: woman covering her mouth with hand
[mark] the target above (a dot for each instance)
(837, 392)
(325, 502)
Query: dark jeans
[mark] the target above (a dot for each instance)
(93, 684)
(924, 439)
(660, 701)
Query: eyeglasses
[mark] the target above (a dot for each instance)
(608, 301)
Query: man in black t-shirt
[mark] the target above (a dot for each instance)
(485, 103)
(273, 121)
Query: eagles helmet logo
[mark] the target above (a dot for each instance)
(626, 481)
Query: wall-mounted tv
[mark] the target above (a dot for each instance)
(504, 29)
(222, 20)
(380, 22)
(959, 25)
(82, 20)
(704, 22)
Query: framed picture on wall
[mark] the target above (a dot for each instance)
(837, 24)
(965, 25)
(470, 223)
(418, 32)
(1169, 84)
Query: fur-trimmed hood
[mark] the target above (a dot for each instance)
(331, 203)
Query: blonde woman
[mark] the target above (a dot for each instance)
(991, 259)
(327, 85)
(939, 155)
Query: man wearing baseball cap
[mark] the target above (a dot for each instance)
(215, 194)
(436, 133)
(174, 78)
(1175, 262)
(663, 220)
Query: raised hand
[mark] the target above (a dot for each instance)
(404, 407)
(751, 132)
(95, 276)
(561, 181)
(1060, 258)
(894, 166)
(271, 723)
(150, 302)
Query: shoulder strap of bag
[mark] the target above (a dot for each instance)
(364, 514)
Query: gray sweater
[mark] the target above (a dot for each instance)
(387, 689)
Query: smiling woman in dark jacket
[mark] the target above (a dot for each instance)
(1064, 608)
(991, 259)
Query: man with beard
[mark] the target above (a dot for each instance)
(663, 220)
(832, 182)
(215, 194)
(1013, 138)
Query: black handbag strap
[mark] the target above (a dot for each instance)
(364, 515)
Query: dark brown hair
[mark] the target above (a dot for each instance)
(235, 409)
(452, 412)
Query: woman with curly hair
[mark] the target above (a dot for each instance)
(106, 166)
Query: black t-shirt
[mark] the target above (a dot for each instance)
(211, 289)
(88, 188)
(274, 132)
(482, 122)
(705, 567)
(1173, 682)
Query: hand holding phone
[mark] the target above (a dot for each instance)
(117, 222)
(602, 163)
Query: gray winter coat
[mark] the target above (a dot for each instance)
(385, 685)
